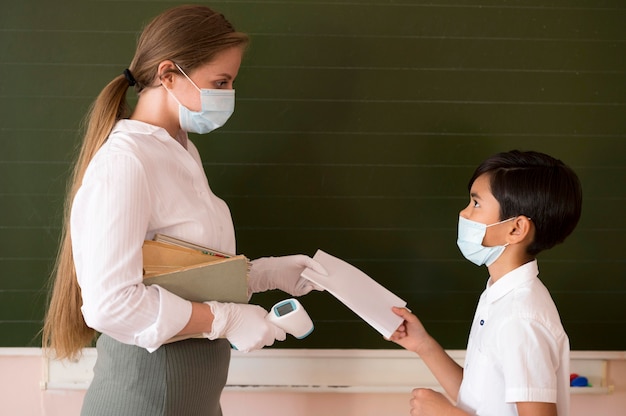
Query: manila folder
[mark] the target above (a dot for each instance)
(194, 275)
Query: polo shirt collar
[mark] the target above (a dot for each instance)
(512, 280)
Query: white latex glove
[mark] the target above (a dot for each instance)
(243, 325)
(283, 273)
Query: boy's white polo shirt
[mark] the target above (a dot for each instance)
(517, 350)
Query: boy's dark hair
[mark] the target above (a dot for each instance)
(537, 186)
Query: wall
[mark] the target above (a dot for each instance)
(22, 371)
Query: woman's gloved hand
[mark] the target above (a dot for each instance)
(283, 273)
(243, 325)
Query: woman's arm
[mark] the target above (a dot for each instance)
(200, 321)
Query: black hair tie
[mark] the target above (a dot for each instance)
(129, 77)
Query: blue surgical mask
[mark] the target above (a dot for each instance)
(470, 242)
(216, 107)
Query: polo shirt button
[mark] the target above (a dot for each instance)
(482, 322)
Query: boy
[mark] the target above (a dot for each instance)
(517, 360)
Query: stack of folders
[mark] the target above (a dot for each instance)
(193, 272)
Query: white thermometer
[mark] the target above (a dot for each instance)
(291, 317)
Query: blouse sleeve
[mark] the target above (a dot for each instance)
(109, 219)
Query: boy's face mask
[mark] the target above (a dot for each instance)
(470, 242)
(216, 107)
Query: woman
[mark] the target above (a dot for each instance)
(139, 176)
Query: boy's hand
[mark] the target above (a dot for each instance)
(411, 333)
(427, 402)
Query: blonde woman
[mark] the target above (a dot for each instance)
(138, 174)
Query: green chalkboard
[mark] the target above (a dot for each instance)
(357, 126)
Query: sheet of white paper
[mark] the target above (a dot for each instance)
(359, 292)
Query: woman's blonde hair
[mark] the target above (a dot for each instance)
(187, 35)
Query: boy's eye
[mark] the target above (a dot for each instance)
(476, 204)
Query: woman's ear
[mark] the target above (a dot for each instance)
(521, 229)
(166, 73)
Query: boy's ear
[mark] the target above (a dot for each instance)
(521, 230)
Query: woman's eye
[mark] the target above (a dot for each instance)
(221, 84)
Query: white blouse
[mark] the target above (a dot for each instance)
(141, 182)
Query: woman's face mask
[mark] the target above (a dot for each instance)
(216, 108)
(470, 242)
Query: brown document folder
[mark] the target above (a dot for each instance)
(195, 275)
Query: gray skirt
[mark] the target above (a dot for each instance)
(182, 378)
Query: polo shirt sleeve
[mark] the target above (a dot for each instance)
(530, 359)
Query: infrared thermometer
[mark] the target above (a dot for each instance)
(290, 316)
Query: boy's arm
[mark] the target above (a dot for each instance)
(412, 336)
(447, 372)
(536, 409)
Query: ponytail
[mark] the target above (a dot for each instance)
(65, 331)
